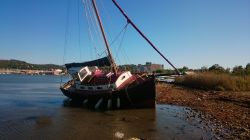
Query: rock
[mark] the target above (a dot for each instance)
(119, 135)
(134, 138)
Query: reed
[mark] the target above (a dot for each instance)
(215, 81)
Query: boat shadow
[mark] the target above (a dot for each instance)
(69, 103)
(72, 103)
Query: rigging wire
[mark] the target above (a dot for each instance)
(122, 39)
(95, 23)
(66, 36)
(126, 58)
(107, 14)
(94, 31)
(89, 23)
(79, 28)
(119, 34)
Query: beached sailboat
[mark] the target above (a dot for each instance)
(114, 89)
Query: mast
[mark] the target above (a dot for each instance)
(140, 32)
(114, 67)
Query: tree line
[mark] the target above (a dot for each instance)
(216, 68)
(16, 64)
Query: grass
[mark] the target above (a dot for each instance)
(214, 81)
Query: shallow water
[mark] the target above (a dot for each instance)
(32, 107)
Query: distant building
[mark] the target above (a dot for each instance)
(57, 71)
(149, 67)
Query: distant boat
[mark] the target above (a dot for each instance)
(166, 79)
(113, 89)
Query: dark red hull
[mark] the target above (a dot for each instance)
(141, 95)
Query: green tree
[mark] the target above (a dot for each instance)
(247, 69)
(227, 70)
(238, 70)
(183, 69)
(216, 68)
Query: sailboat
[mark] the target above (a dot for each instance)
(114, 89)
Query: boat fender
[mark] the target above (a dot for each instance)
(118, 102)
(85, 101)
(98, 103)
(109, 104)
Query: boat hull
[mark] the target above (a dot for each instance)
(141, 95)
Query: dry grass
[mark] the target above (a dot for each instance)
(213, 81)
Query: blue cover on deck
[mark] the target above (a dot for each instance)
(98, 62)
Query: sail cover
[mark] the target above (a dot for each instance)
(98, 62)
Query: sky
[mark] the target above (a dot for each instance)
(192, 33)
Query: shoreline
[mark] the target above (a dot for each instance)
(229, 111)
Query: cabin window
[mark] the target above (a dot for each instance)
(82, 87)
(99, 87)
(90, 88)
(83, 73)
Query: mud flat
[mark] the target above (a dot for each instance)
(227, 114)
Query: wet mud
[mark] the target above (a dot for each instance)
(225, 113)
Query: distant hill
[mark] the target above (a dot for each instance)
(17, 64)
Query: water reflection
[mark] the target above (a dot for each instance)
(166, 121)
(139, 123)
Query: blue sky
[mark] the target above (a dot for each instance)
(191, 33)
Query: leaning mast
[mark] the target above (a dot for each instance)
(114, 67)
(140, 32)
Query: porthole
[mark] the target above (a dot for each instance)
(123, 77)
